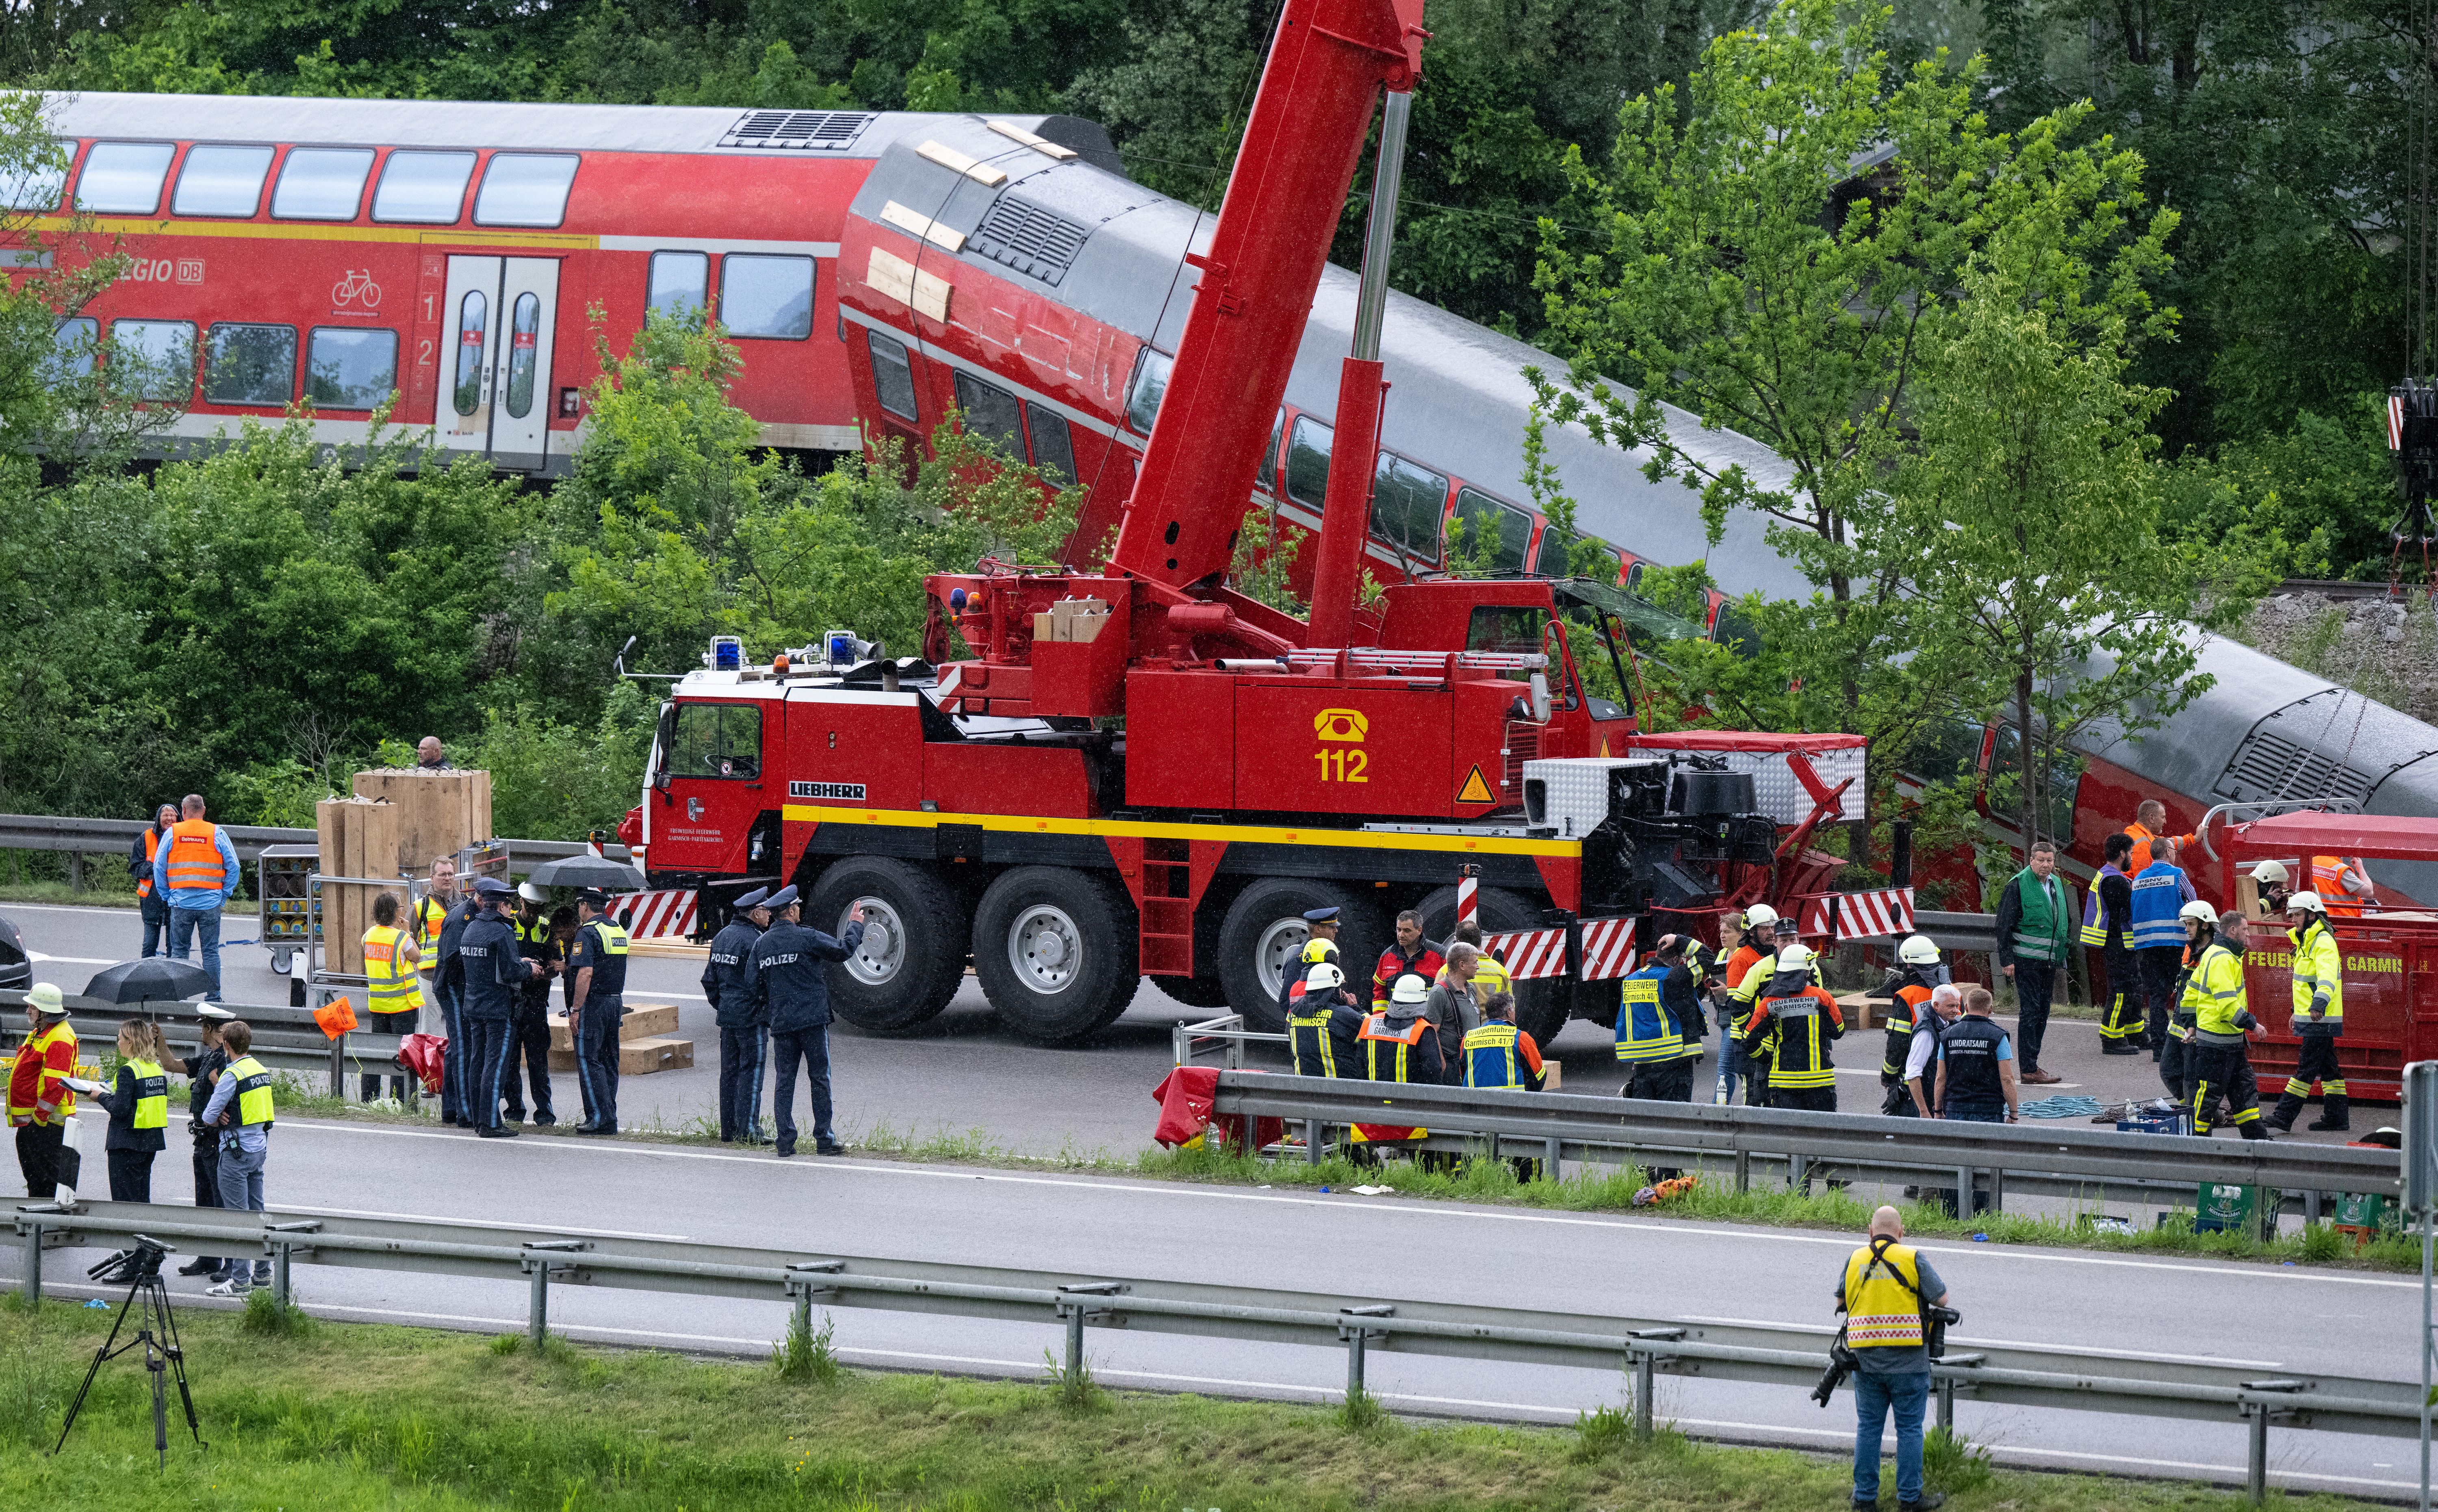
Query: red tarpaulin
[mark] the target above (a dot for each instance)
(1185, 1096)
(421, 1054)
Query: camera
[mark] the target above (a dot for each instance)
(131, 1267)
(1842, 1362)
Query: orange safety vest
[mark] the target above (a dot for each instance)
(152, 854)
(195, 856)
(2328, 881)
(2142, 839)
(36, 1093)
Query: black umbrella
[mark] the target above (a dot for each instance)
(587, 871)
(155, 978)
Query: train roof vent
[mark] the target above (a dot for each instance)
(2269, 766)
(1030, 239)
(799, 130)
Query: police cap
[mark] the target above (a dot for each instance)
(780, 898)
(491, 887)
(593, 898)
(746, 903)
(1320, 915)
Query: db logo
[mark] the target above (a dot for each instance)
(1346, 724)
(358, 285)
(161, 269)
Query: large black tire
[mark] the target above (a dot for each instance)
(914, 954)
(1540, 1004)
(1264, 930)
(1057, 952)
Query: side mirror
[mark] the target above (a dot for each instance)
(661, 779)
(1539, 686)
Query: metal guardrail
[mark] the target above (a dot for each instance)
(2041, 1159)
(1970, 932)
(38, 832)
(1776, 1355)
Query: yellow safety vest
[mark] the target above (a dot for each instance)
(33, 1067)
(252, 1091)
(152, 1094)
(390, 986)
(2214, 991)
(1880, 1312)
(431, 914)
(2319, 967)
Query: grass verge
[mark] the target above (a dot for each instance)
(355, 1416)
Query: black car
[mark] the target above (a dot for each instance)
(16, 967)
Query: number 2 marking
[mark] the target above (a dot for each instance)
(1340, 766)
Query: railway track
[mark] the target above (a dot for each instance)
(2346, 588)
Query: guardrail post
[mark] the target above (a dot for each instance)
(339, 1067)
(1743, 1170)
(1071, 1314)
(1312, 1129)
(1943, 1387)
(1552, 1165)
(1646, 1370)
(1963, 1193)
(1798, 1173)
(1356, 1336)
(33, 1284)
(1996, 1188)
(2310, 1207)
(537, 1263)
(2256, 1472)
(283, 1255)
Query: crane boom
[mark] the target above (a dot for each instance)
(1327, 64)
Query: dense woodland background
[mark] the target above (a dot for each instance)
(252, 625)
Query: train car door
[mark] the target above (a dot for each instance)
(501, 312)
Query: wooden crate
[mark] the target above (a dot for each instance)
(358, 837)
(439, 813)
(644, 1021)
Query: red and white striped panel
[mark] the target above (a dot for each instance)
(1861, 915)
(1468, 898)
(667, 914)
(1608, 948)
(1530, 954)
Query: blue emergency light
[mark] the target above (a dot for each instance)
(727, 653)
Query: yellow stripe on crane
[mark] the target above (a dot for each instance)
(1154, 830)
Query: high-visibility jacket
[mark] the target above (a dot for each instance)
(2214, 996)
(431, 914)
(152, 1094)
(2328, 881)
(1748, 990)
(2319, 977)
(2142, 839)
(1738, 965)
(2157, 893)
(1500, 1055)
(37, 1093)
(2096, 922)
(390, 986)
(152, 854)
(1911, 1000)
(1646, 1032)
(253, 1099)
(1489, 975)
(1402, 1050)
(1796, 1031)
(195, 856)
(1883, 1302)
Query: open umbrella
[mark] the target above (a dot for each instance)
(155, 978)
(587, 871)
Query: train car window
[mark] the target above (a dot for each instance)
(1482, 515)
(680, 284)
(37, 186)
(1308, 462)
(72, 347)
(350, 368)
(1147, 388)
(1054, 444)
(1270, 458)
(990, 411)
(250, 364)
(892, 375)
(770, 298)
(423, 189)
(525, 335)
(525, 189)
(124, 178)
(224, 180)
(320, 184)
(1407, 500)
(153, 358)
(474, 332)
(1736, 632)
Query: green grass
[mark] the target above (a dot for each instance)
(353, 1417)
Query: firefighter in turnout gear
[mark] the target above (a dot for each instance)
(1794, 1024)
(2221, 1025)
(2275, 884)
(2199, 923)
(1918, 973)
(1325, 1027)
(1659, 1026)
(2108, 928)
(1399, 1043)
(1500, 1055)
(1786, 935)
(2319, 1018)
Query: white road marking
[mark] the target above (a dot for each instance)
(37, 957)
(471, 1222)
(1679, 1229)
(89, 910)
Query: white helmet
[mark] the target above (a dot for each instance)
(1917, 951)
(1760, 916)
(2200, 910)
(1324, 976)
(1409, 989)
(1794, 957)
(2304, 902)
(531, 893)
(2270, 873)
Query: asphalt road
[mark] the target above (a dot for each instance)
(2266, 1318)
(964, 1072)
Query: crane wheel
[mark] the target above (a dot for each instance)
(1265, 933)
(1057, 952)
(912, 958)
(1540, 1005)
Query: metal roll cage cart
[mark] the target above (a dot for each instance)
(323, 984)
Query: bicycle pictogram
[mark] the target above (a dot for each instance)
(357, 286)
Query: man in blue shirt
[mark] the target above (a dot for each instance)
(195, 869)
(2160, 891)
(786, 978)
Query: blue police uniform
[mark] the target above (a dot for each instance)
(601, 949)
(449, 985)
(742, 1050)
(787, 977)
(493, 969)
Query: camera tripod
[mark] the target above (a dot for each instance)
(156, 1331)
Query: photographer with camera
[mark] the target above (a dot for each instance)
(1896, 1317)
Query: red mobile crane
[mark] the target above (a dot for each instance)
(1090, 776)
